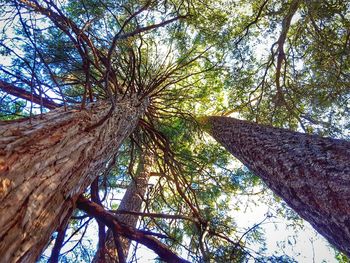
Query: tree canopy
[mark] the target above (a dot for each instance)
(283, 63)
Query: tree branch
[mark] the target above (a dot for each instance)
(26, 95)
(101, 227)
(156, 215)
(147, 28)
(129, 232)
(281, 41)
(58, 244)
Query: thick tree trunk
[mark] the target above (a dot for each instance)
(46, 163)
(132, 201)
(310, 173)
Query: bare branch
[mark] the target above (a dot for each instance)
(58, 245)
(156, 215)
(281, 40)
(25, 95)
(109, 220)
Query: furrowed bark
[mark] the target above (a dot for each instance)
(310, 173)
(132, 201)
(46, 163)
(109, 220)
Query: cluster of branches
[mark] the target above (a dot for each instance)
(69, 54)
(98, 65)
(297, 72)
(86, 67)
(173, 210)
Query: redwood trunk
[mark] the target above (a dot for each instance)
(310, 173)
(132, 201)
(46, 163)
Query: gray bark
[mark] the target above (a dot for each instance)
(132, 201)
(45, 163)
(310, 173)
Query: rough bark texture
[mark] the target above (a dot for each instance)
(46, 163)
(132, 201)
(310, 173)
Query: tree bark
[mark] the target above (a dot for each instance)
(310, 173)
(46, 162)
(132, 201)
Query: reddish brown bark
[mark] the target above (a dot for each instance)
(110, 220)
(45, 163)
(132, 201)
(25, 95)
(310, 173)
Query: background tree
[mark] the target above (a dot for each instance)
(309, 172)
(130, 205)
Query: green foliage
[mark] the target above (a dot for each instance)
(11, 109)
(220, 58)
(341, 258)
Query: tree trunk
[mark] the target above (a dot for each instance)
(310, 173)
(46, 162)
(132, 201)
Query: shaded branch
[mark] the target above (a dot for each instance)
(156, 215)
(25, 95)
(147, 28)
(129, 232)
(119, 247)
(101, 227)
(281, 41)
(58, 244)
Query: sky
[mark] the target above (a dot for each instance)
(303, 244)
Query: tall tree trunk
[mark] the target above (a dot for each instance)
(46, 162)
(132, 201)
(310, 173)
